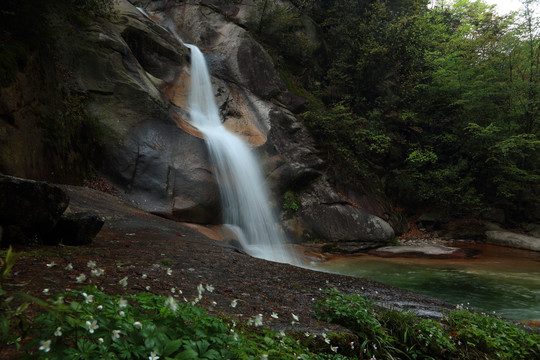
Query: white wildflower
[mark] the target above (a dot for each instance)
(171, 303)
(209, 288)
(100, 340)
(69, 267)
(173, 290)
(196, 300)
(46, 291)
(264, 357)
(59, 301)
(295, 317)
(97, 272)
(51, 264)
(153, 356)
(334, 348)
(144, 276)
(122, 303)
(45, 345)
(91, 264)
(257, 321)
(137, 325)
(92, 326)
(200, 288)
(121, 313)
(88, 298)
(115, 334)
(281, 333)
(274, 315)
(147, 288)
(234, 303)
(169, 271)
(81, 278)
(58, 331)
(123, 282)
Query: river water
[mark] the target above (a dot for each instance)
(499, 279)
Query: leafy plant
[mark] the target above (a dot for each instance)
(291, 201)
(12, 320)
(478, 334)
(88, 324)
(357, 314)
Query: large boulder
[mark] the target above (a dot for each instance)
(324, 216)
(29, 210)
(510, 239)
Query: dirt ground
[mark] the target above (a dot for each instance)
(157, 255)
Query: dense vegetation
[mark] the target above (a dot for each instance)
(440, 104)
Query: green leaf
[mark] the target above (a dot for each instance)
(172, 346)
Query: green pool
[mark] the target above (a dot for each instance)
(501, 280)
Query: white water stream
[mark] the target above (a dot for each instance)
(244, 196)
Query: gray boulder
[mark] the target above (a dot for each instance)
(325, 216)
(510, 239)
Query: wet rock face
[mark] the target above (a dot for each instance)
(136, 72)
(138, 76)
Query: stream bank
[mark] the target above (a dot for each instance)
(142, 247)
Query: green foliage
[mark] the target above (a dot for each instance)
(402, 335)
(351, 142)
(6, 264)
(356, 314)
(12, 321)
(416, 337)
(291, 201)
(88, 324)
(280, 26)
(422, 157)
(478, 334)
(441, 102)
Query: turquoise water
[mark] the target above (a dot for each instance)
(501, 280)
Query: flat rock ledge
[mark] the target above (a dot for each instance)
(510, 239)
(420, 251)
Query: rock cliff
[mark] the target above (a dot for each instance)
(135, 73)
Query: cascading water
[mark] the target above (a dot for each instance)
(242, 187)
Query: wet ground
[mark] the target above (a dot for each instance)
(157, 255)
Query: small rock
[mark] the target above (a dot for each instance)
(75, 229)
(429, 251)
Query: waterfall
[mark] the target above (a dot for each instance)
(244, 194)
